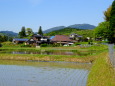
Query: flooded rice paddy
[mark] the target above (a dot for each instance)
(23, 73)
(53, 52)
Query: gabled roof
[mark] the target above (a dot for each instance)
(61, 38)
(19, 39)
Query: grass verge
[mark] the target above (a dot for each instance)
(102, 74)
(34, 57)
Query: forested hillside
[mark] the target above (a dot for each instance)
(68, 31)
(82, 26)
(9, 33)
(76, 26)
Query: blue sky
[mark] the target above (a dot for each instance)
(50, 13)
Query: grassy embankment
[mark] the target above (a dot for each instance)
(83, 53)
(102, 74)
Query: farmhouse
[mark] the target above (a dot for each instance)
(37, 39)
(61, 39)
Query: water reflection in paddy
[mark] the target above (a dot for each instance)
(52, 52)
(17, 73)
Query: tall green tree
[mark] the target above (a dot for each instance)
(40, 31)
(22, 33)
(29, 32)
(111, 36)
(106, 29)
(107, 14)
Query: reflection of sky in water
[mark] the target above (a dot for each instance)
(12, 75)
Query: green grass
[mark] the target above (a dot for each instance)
(85, 54)
(102, 74)
(25, 57)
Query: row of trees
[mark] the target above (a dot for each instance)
(27, 32)
(106, 29)
(4, 38)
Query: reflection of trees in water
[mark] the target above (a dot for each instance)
(54, 52)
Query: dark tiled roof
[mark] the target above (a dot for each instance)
(80, 36)
(18, 39)
(61, 38)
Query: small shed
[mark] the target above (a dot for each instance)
(19, 40)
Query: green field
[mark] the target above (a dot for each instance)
(102, 73)
(85, 53)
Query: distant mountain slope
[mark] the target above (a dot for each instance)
(82, 26)
(54, 29)
(67, 31)
(9, 33)
(77, 26)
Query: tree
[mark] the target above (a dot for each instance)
(22, 33)
(107, 29)
(107, 14)
(3, 38)
(40, 31)
(102, 30)
(29, 31)
(111, 36)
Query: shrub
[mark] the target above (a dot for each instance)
(43, 45)
(8, 43)
(56, 45)
(0, 45)
(25, 45)
(77, 43)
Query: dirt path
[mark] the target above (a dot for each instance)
(112, 54)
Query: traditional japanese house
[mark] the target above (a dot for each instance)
(37, 39)
(61, 39)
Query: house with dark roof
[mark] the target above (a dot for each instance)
(61, 39)
(37, 39)
(19, 40)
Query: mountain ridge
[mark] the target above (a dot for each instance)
(67, 31)
(9, 33)
(76, 26)
(54, 28)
